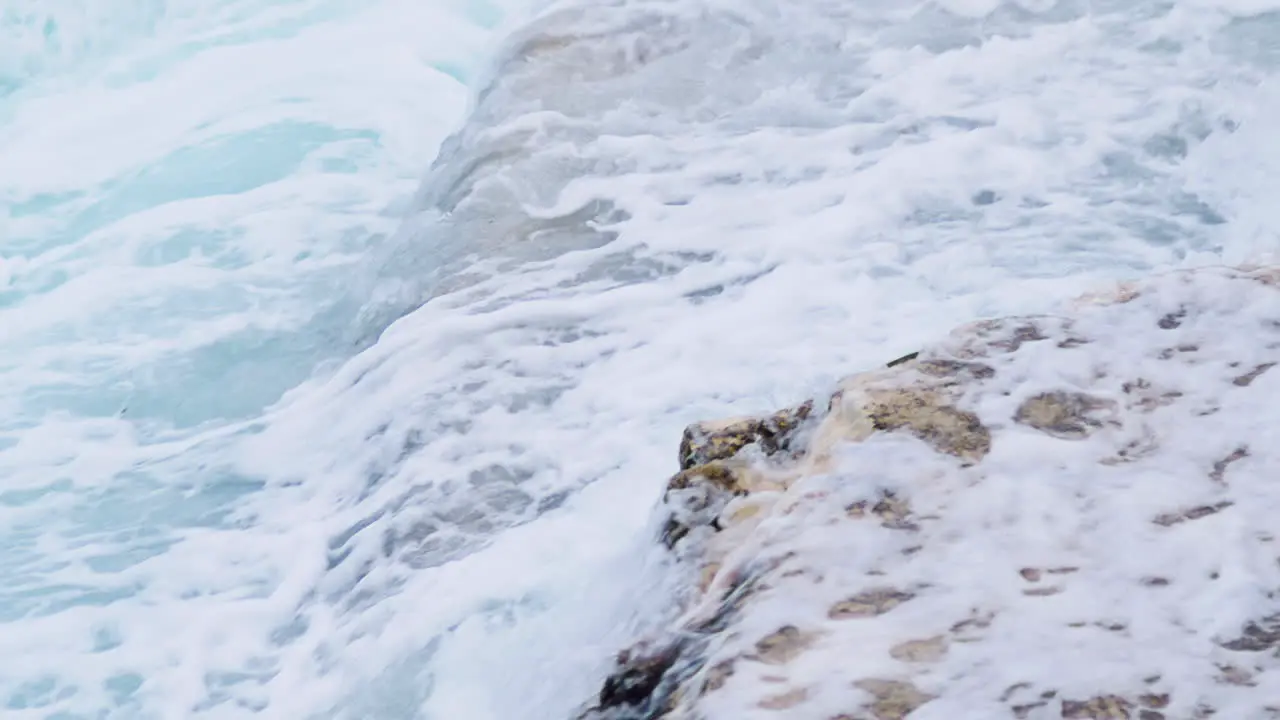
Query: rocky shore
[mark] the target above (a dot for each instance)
(1068, 516)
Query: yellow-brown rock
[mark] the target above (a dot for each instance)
(1039, 517)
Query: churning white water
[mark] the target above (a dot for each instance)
(307, 411)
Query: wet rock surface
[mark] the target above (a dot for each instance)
(1065, 415)
(705, 442)
(1044, 517)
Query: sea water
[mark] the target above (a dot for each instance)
(345, 346)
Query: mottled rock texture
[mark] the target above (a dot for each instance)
(1068, 516)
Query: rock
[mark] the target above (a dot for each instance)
(699, 495)
(708, 478)
(920, 651)
(893, 511)
(1258, 636)
(782, 646)
(925, 414)
(639, 688)
(868, 604)
(638, 679)
(1038, 517)
(1104, 707)
(894, 699)
(1065, 415)
(1195, 513)
(706, 442)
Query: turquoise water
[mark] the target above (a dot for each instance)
(189, 195)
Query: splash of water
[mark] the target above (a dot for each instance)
(288, 433)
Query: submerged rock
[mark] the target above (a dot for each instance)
(1046, 517)
(1066, 415)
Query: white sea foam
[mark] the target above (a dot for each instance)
(656, 212)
